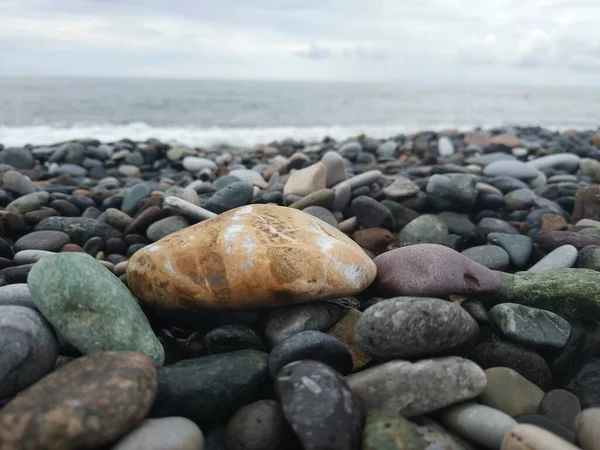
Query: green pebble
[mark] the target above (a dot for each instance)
(387, 430)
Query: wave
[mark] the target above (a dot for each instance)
(194, 136)
(207, 137)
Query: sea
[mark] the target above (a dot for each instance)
(37, 111)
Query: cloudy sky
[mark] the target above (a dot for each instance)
(527, 42)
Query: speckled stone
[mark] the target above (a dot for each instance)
(432, 270)
(80, 229)
(436, 437)
(408, 327)
(345, 332)
(386, 430)
(490, 256)
(87, 403)
(90, 307)
(319, 406)
(426, 228)
(28, 202)
(17, 295)
(412, 389)
(253, 256)
(530, 437)
(211, 387)
(170, 433)
(51, 241)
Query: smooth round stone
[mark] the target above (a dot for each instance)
(253, 256)
(226, 180)
(229, 338)
(531, 327)
(548, 240)
(504, 354)
(427, 228)
(72, 170)
(90, 307)
(313, 345)
(584, 383)
(305, 181)
(510, 392)
(31, 256)
(459, 224)
(547, 424)
(564, 161)
(508, 184)
(445, 146)
(412, 389)
(17, 295)
(343, 195)
(134, 196)
(370, 213)
(363, 179)
(479, 423)
(350, 149)
(322, 197)
(285, 322)
(79, 229)
(402, 215)
(196, 164)
(231, 196)
(336, 169)
(87, 403)
(19, 158)
(170, 433)
(515, 169)
(588, 429)
(345, 332)
(386, 430)
(490, 256)
(247, 175)
(18, 183)
(408, 327)
(212, 387)
(321, 213)
(589, 258)
(65, 208)
(29, 349)
(561, 406)
(187, 194)
(518, 247)
(375, 240)
(431, 270)
(488, 158)
(401, 188)
(519, 199)
(531, 437)
(259, 426)
(118, 219)
(29, 202)
(51, 241)
(562, 179)
(165, 227)
(16, 274)
(489, 225)
(194, 212)
(452, 192)
(562, 257)
(319, 406)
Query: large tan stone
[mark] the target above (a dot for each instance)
(506, 139)
(253, 256)
(306, 181)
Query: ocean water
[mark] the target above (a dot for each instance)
(198, 112)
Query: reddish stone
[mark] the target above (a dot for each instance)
(148, 202)
(144, 219)
(548, 240)
(376, 240)
(554, 222)
(587, 204)
(72, 248)
(88, 403)
(33, 217)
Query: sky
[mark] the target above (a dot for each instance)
(484, 42)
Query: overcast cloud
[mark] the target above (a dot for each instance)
(531, 42)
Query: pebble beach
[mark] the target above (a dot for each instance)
(432, 291)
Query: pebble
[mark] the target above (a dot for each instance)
(170, 433)
(17, 182)
(319, 406)
(452, 192)
(164, 227)
(582, 381)
(288, 257)
(249, 176)
(530, 437)
(386, 430)
(530, 327)
(412, 389)
(90, 307)
(28, 202)
(479, 423)
(79, 229)
(562, 406)
(345, 332)
(401, 188)
(211, 387)
(518, 247)
(436, 437)
(562, 257)
(424, 229)
(87, 403)
(432, 270)
(409, 327)
(313, 345)
(17, 295)
(29, 349)
(370, 213)
(230, 197)
(31, 256)
(516, 169)
(547, 424)
(335, 167)
(565, 161)
(51, 241)
(196, 164)
(322, 197)
(510, 392)
(259, 426)
(305, 181)
(588, 428)
(194, 212)
(490, 256)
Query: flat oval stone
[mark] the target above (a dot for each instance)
(336, 169)
(28, 202)
(518, 247)
(566, 161)
(452, 192)
(90, 307)
(229, 338)
(531, 327)
(118, 219)
(408, 327)
(194, 212)
(510, 392)
(253, 256)
(401, 188)
(588, 428)
(285, 322)
(516, 169)
(530, 437)
(170, 433)
(166, 226)
(313, 345)
(426, 228)
(481, 424)
(322, 197)
(230, 197)
(386, 430)
(211, 387)
(562, 406)
(432, 270)
(319, 406)
(371, 213)
(305, 181)
(259, 426)
(195, 164)
(562, 257)
(80, 229)
(51, 241)
(490, 256)
(29, 348)
(87, 403)
(412, 389)
(18, 183)
(547, 424)
(345, 332)
(17, 295)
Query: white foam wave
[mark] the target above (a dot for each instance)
(189, 135)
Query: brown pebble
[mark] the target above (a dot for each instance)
(148, 202)
(554, 222)
(143, 220)
(34, 217)
(80, 192)
(587, 204)
(377, 240)
(343, 331)
(87, 403)
(73, 248)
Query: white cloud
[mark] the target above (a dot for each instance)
(478, 50)
(535, 49)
